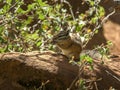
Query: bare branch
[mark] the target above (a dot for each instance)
(71, 11)
(112, 75)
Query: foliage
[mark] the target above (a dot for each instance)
(29, 25)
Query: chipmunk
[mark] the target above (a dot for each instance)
(71, 46)
(69, 43)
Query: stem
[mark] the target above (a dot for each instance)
(71, 11)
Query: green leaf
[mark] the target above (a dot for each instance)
(31, 6)
(89, 59)
(29, 20)
(5, 8)
(82, 84)
(82, 57)
(8, 1)
(96, 31)
(38, 43)
(94, 20)
(34, 36)
(41, 16)
(2, 50)
(20, 10)
(91, 3)
(101, 11)
(109, 43)
(41, 3)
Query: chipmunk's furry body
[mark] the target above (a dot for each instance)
(69, 43)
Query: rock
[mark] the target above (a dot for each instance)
(112, 33)
(18, 70)
(21, 71)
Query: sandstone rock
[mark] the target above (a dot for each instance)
(25, 71)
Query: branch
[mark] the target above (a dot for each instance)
(99, 26)
(71, 11)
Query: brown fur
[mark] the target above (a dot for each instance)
(71, 45)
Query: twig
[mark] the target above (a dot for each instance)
(12, 6)
(96, 86)
(43, 84)
(71, 11)
(112, 75)
(80, 72)
(7, 12)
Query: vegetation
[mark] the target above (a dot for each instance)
(29, 25)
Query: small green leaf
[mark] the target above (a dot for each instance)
(8, 1)
(96, 31)
(28, 21)
(41, 3)
(31, 6)
(5, 8)
(91, 3)
(34, 36)
(41, 16)
(39, 43)
(94, 20)
(89, 59)
(20, 10)
(101, 11)
(82, 57)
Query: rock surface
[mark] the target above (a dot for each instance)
(20, 71)
(24, 71)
